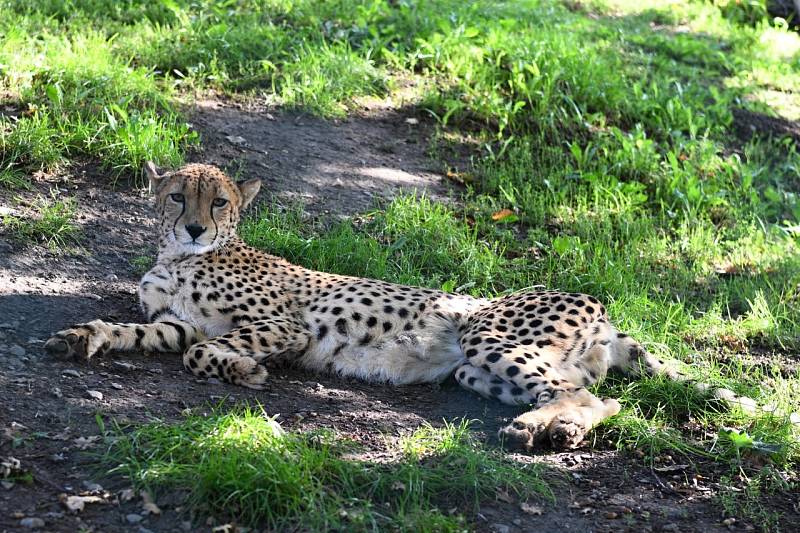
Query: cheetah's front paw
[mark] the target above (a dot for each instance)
(245, 371)
(79, 342)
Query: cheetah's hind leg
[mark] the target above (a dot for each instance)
(490, 386)
(565, 420)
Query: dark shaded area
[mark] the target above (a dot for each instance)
(748, 124)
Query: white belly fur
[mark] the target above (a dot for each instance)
(423, 355)
(427, 356)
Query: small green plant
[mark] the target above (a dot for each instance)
(142, 263)
(747, 503)
(13, 179)
(53, 224)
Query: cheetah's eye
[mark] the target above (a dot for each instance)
(219, 202)
(177, 197)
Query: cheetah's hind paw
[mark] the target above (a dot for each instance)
(521, 436)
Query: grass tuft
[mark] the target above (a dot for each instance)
(53, 224)
(233, 464)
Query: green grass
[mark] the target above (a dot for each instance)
(142, 263)
(234, 464)
(748, 503)
(606, 127)
(53, 224)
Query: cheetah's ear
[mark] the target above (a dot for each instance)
(248, 190)
(152, 174)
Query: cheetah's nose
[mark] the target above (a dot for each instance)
(194, 230)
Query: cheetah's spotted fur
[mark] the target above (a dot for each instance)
(228, 307)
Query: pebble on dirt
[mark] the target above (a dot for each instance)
(17, 350)
(133, 518)
(95, 394)
(32, 523)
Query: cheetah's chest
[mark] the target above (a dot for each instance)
(210, 298)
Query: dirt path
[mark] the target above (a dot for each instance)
(47, 412)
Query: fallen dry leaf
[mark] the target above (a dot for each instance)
(148, 504)
(460, 177)
(75, 504)
(530, 509)
(502, 214)
(127, 495)
(9, 465)
(671, 468)
(86, 442)
(504, 496)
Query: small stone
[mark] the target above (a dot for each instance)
(186, 525)
(112, 277)
(672, 526)
(32, 523)
(729, 521)
(115, 385)
(16, 350)
(95, 394)
(213, 381)
(133, 518)
(71, 372)
(611, 515)
(8, 485)
(124, 366)
(500, 528)
(57, 392)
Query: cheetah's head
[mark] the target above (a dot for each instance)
(198, 207)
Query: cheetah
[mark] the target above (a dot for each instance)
(230, 308)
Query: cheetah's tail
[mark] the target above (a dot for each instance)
(631, 358)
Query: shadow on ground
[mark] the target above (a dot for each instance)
(338, 167)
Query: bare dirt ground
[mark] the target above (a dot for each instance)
(48, 414)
